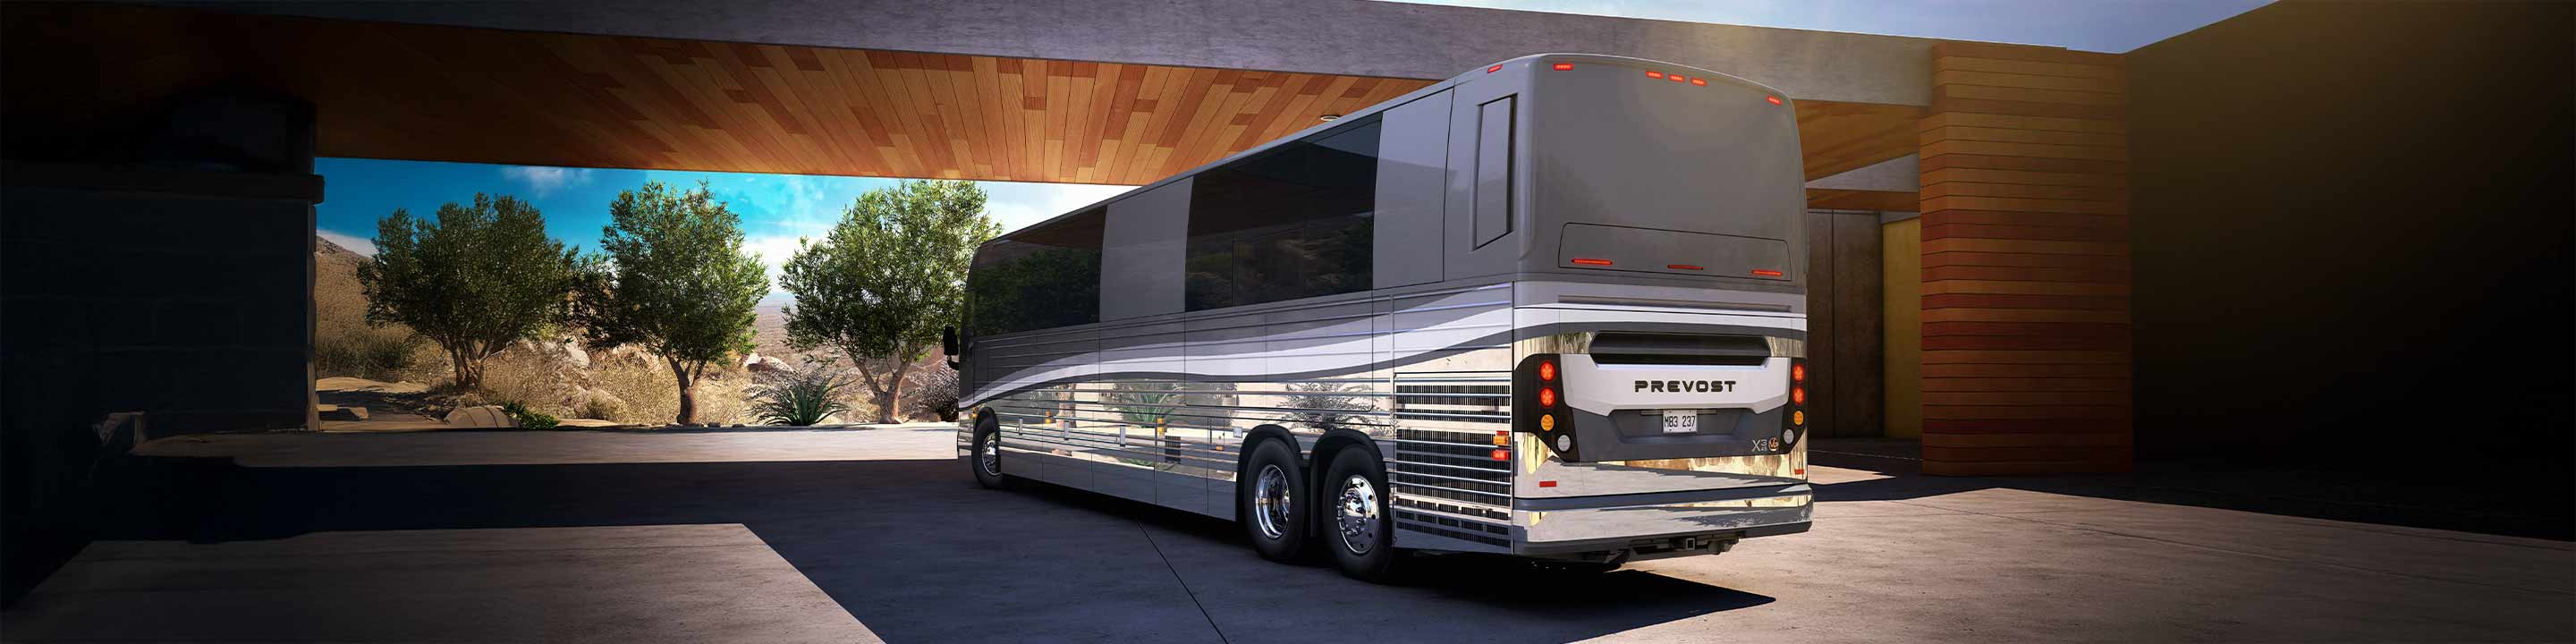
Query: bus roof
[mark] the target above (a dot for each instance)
(1514, 64)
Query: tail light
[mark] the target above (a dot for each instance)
(1539, 405)
(1793, 425)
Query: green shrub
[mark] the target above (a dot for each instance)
(528, 419)
(801, 397)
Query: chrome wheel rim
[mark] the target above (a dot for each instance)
(1270, 501)
(990, 457)
(1358, 515)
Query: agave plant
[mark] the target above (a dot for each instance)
(802, 397)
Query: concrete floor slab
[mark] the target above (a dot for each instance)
(304, 449)
(889, 527)
(678, 583)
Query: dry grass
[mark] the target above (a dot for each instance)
(619, 386)
(615, 387)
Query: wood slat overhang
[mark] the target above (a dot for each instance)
(432, 93)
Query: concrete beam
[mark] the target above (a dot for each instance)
(1357, 37)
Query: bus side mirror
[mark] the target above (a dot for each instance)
(948, 344)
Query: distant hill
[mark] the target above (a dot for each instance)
(339, 305)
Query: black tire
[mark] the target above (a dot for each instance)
(1280, 535)
(1358, 520)
(988, 436)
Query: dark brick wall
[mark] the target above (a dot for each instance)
(2352, 230)
(193, 309)
(185, 295)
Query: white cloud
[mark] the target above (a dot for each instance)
(545, 180)
(1016, 205)
(774, 251)
(355, 244)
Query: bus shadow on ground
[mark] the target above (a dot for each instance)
(918, 553)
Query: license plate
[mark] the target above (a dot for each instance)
(1681, 421)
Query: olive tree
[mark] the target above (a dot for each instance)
(891, 273)
(473, 279)
(673, 281)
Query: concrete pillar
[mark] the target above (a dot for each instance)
(163, 268)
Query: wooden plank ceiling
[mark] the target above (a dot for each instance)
(433, 93)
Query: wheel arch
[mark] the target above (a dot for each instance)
(1253, 438)
(1330, 446)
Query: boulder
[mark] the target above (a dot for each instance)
(573, 353)
(766, 364)
(481, 417)
(596, 402)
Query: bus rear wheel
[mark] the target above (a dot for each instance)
(1268, 493)
(1360, 524)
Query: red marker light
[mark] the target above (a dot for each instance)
(1797, 373)
(1766, 272)
(1684, 267)
(1587, 261)
(1654, 74)
(1498, 68)
(1675, 78)
(1547, 484)
(1563, 66)
(1700, 82)
(1775, 100)
(1547, 396)
(1546, 371)
(1798, 395)
(1502, 455)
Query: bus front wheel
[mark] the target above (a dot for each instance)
(1269, 501)
(986, 461)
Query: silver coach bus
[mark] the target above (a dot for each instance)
(1552, 308)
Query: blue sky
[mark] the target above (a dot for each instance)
(777, 209)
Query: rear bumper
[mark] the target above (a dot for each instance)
(1687, 522)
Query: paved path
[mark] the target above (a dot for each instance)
(887, 527)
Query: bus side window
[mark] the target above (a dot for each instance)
(1494, 170)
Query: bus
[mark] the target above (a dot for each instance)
(1551, 308)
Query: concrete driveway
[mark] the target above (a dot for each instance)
(523, 536)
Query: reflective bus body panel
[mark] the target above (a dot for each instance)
(1467, 274)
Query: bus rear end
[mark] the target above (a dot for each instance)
(1658, 393)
